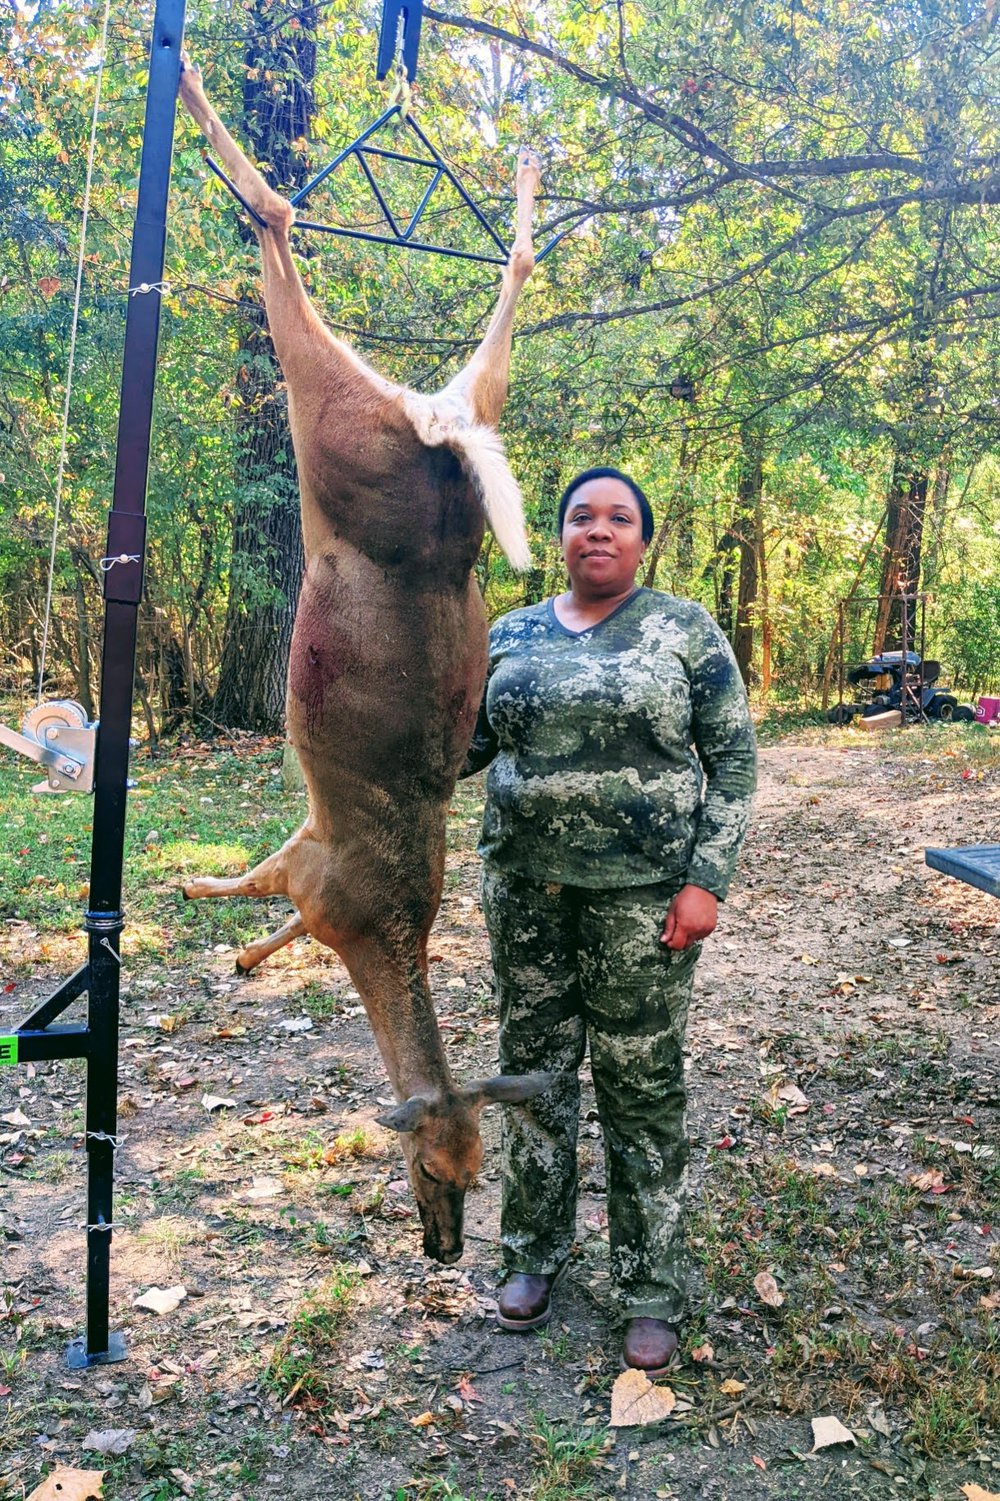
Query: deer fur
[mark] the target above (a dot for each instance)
(386, 670)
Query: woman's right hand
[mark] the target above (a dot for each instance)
(691, 916)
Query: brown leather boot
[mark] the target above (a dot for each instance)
(526, 1300)
(650, 1346)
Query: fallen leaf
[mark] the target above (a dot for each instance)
(296, 1024)
(264, 1188)
(976, 1493)
(153, 1393)
(69, 1485)
(792, 1096)
(635, 1401)
(703, 1352)
(217, 1102)
(829, 1431)
(15, 1118)
(731, 1388)
(422, 1420)
(161, 1299)
(760, 1463)
(767, 1290)
(928, 1181)
(109, 1440)
(968, 1273)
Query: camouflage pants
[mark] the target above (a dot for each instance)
(573, 963)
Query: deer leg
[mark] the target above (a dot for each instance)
(254, 953)
(483, 382)
(300, 336)
(269, 878)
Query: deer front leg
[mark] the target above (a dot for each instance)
(483, 383)
(254, 953)
(269, 878)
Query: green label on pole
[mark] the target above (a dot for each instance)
(8, 1050)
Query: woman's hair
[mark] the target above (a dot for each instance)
(645, 510)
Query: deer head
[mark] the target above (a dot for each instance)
(443, 1150)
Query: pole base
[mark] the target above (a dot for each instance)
(78, 1359)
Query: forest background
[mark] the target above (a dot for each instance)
(776, 306)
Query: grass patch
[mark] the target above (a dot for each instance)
(303, 1366)
(563, 1456)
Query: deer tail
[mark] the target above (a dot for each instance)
(480, 452)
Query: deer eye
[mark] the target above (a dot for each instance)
(425, 1174)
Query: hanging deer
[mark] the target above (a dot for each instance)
(387, 663)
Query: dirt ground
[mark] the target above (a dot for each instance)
(844, 1106)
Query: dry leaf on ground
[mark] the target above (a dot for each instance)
(109, 1440)
(828, 1431)
(731, 1388)
(976, 1493)
(264, 1188)
(703, 1352)
(217, 1102)
(767, 1290)
(161, 1299)
(70, 1485)
(792, 1096)
(635, 1401)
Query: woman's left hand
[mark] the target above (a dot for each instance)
(691, 916)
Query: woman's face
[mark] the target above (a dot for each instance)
(602, 538)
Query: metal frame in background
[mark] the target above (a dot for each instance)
(96, 1041)
(401, 236)
(909, 631)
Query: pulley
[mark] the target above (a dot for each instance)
(60, 737)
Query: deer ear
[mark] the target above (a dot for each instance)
(508, 1089)
(405, 1117)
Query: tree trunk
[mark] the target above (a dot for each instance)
(764, 611)
(934, 526)
(901, 560)
(266, 569)
(749, 529)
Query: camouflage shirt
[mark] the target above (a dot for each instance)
(619, 755)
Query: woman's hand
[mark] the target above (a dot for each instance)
(691, 916)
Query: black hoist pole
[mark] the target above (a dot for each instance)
(100, 977)
(122, 594)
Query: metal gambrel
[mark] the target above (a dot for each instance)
(399, 37)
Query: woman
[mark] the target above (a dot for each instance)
(623, 765)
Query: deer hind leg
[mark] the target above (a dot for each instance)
(254, 953)
(269, 205)
(303, 343)
(483, 383)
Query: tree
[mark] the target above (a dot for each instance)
(266, 567)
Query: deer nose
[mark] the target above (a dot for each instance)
(447, 1255)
